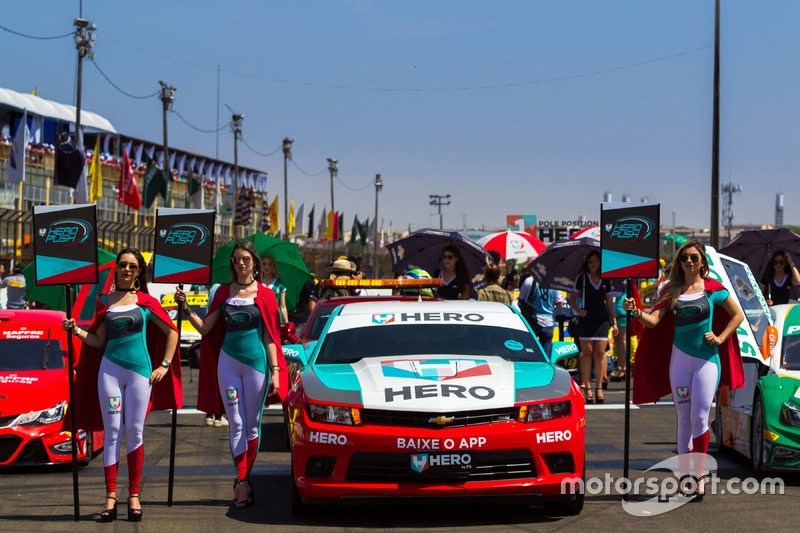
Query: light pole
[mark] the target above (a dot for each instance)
(378, 187)
(236, 127)
(333, 167)
(167, 98)
(287, 155)
(437, 200)
(84, 41)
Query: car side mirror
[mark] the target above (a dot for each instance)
(562, 350)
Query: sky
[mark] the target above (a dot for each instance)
(509, 106)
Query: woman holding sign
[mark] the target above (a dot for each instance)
(691, 337)
(131, 368)
(241, 361)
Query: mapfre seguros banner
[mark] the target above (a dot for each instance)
(184, 246)
(65, 244)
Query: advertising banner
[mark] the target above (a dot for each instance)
(523, 223)
(184, 246)
(65, 244)
(629, 240)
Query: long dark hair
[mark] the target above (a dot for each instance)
(585, 266)
(462, 275)
(769, 273)
(250, 248)
(141, 277)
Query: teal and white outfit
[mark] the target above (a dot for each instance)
(242, 378)
(694, 368)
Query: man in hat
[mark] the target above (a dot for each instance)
(15, 283)
(340, 269)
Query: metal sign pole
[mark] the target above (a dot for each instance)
(174, 415)
(627, 449)
(72, 422)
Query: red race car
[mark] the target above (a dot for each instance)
(34, 391)
(403, 399)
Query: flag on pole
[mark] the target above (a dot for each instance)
(81, 193)
(69, 161)
(340, 226)
(195, 185)
(372, 229)
(311, 222)
(15, 165)
(265, 223)
(298, 220)
(154, 182)
(323, 224)
(94, 173)
(274, 221)
(290, 222)
(329, 221)
(363, 232)
(128, 191)
(355, 230)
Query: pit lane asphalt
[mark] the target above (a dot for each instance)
(40, 499)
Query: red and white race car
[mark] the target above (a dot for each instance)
(433, 399)
(34, 391)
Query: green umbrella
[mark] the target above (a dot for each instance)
(293, 270)
(53, 295)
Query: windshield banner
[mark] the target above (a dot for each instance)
(65, 244)
(629, 238)
(184, 246)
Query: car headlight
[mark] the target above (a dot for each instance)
(541, 412)
(43, 417)
(334, 414)
(790, 414)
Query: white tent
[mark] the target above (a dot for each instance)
(54, 110)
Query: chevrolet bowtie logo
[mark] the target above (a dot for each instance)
(440, 420)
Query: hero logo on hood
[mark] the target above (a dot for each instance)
(436, 369)
(384, 318)
(387, 318)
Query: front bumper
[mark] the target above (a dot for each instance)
(39, 445)
(537, 461)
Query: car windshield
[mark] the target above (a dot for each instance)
(350, 345)
(748, 298)
(791, 352)
(315, 327)
(29, 354)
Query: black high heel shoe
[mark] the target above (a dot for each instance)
(134, 515)
(251, 498)
(109, 515)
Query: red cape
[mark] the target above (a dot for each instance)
(651, 370)
(167, 394)
(208, 397)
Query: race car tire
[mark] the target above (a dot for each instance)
(757, 435)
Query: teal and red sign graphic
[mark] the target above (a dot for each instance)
(629, 239)
(436, 369)
(65, 244)
(184, 246)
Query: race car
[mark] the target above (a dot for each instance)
(775, 422)
(431, 399)
(34, 391)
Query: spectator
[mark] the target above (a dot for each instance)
(15, 285)
(537, 305)
(493, 292)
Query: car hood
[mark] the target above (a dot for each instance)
(435, 383)
(23, 392)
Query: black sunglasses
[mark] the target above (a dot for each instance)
(695, 258)
(779, 262)
(122, 265)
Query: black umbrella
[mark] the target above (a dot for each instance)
(756, 247)
(423, 249)
(561, 262)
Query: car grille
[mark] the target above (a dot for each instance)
(8, 446)
(373, 467)
(413, 419)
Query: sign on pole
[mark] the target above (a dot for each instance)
(65, 252)
(183, 253)
(184, 246)
(629, 238)
(65, 244)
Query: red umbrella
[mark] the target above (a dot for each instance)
(513, 245)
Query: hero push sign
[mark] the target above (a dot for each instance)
(65, 244)
(184, 246)
(629, 239)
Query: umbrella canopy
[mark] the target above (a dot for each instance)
(561, 262)
(293, 270)
(591, 232)
(423, 249)
(756, 247)
(53, 296)
(513, 245)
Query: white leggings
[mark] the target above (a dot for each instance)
(243, 390)
(123, 393)
(694, 382)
